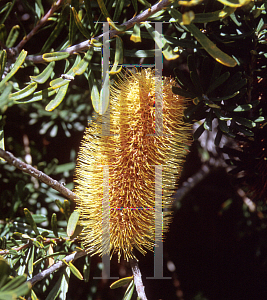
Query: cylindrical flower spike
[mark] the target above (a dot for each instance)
(115, 174)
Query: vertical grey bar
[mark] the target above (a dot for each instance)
(105, 227)
(158, 85)
(105, 80)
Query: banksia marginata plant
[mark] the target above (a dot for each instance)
(129, 155)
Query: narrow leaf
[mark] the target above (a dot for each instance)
(12, 37)
(79, 24)
(72, 223)
(118, 56)
(75, 271)
(129, 292)
(42, 77)
(95, 98)
(54, 56)
(219, 81)
(214, 16)
(161, 42)
(38, 96)
(27, 91)
(198, 132)
(234, 3)
(15, 67)
(14, 283)
(223, 126)
(31, 221)
(3, 57)
(121, 282)
(119, 28)
(246, 122)
(54, 224)
(58, 99)
(58, 82)
(136, 35)
(88, 9)
(83, 64)
(103, 8)
(104, 96)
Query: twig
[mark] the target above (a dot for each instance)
(5, 252)
(138, 279)
(38, 26)
(12, 160)
(56, 266)
(128, 24)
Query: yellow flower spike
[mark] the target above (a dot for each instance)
(129, 156)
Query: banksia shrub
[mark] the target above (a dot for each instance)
(130, 154)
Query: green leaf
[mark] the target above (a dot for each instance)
(178, 91)
(54, 224)
(198, 132)
(184, 81)
(80, 26)
(246, 122)
(95, 98)
(27, 91)
(83, 64)
(162, 43)
(55, 290)
(14, 283)
(42, 77)
(129, 292)
(218, 138)
(243, 130)
(75, 271)
(86, 268)
(38, 96)
(223, 126)
(118, 9)
(7, 8)
(30, 262)
(214, 16)
(118, 56)
(4, 98)
(58, 99)
(54, 56)
(12, 37)
(119, 28)
(239, 108)
(218, 81)
(72, 223)
(208, 121)
(3, 57)
(145, 3)
(39, 218)
(103, 8)
(135, 6)
(55, 33)
(136, 35)
(15, 67)
(29, 218)
(64, 284)
(225, 97)
(33, 295)
(2, 141)
(196, 81)
(58, 82)
(88, 9)
(4, 271)
(207, 44)
(221, 115)
(104, 96)
(121, 282)
(234, 3)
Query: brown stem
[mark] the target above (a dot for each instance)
(56, 266)
(41, 23)
(128, 24)
(138, 279)
(12, 160)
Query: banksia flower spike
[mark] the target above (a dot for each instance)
(128, 157)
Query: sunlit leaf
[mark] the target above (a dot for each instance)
(38, 96)
(214, 16)
(118, 56)
(121, 282)
(235, 3)
(58, 82)
(16, 66)
(120, 28)
(136, 35)
(104, 96)
(207, 44)
(27, 91)
(3, 57)
(95, 97)
(58, 99)
(75, 271)
(161, 42)
(54, 56)
(83, 64)
(72, 222)
(43, 76)
(188, 17)
(54, 224)
(129, 292)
